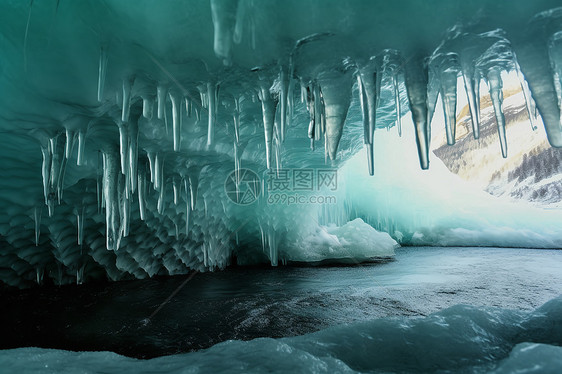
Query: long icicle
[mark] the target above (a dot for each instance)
(102, 72)
(496, 94)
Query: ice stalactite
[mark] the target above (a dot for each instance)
(147, 106)
(188, 107)
(447, 70)
(133, 155)
(529, 102)
(224, 14)
(142, 193)
(212, 97)
(126, 109)
(176, 187)
(268, 105)
(318, 112)
(187, 205)
(471, 86)
(193, 187)
(496, 94)
(110, 195)
(69, 145)
(236, 119)
(151, 164)
(158, 171)
(46, 170)
(397, 103)
(176, 120)
(535, 64)
(81, 147)
(365, 115)
(310, 107)
(273, 241)
(123, 145)
(102, 72)
(161, 188)
(99, 183)
(161, 91)
(125, 215)
(416, 77)
(336, 91)
(283, 101)
(80, 225)
(37, 212)
(369, 83)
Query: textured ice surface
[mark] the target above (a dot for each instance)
(119, 124)
(458, 339)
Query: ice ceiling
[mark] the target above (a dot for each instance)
(120, 120)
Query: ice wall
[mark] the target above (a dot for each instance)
(120, 122)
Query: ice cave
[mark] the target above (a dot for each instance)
(289, 186)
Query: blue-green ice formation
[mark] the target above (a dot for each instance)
(463, 339)
(120, 122)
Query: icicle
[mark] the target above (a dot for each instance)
(187, 206)
(212, 97)
(268, 111)
(397, 103)
(80, 225)
(102, 73)
(416, 75)
(193, 186)
(448, 79)
(176, 189)
(148, 106)
(69, 145)
(60, 181)
(364, 109)
(46, 170)
(188, 107)
(99, 183)
(176, 120)
(126, 110)
(371, 78)
(284, 79)
(529, 102)
(161, 197)
(37, 220)
(310, 108)
(142, 194)
(535, 63)
(161, 91)
(110, 181)
(224, 22)
(236, 120)
(123, 146)
(370, 158)
(152, 165)
(336, 91)
(496, 94)
(471, 86)
(238, 28)
(318, 111)
(81, 147)
(158, 171)
(126, 216)
(133, 155)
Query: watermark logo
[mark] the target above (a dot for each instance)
(242, 186)
(283, 186)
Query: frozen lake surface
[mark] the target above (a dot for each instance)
(247, 303)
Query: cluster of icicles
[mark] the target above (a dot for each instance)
(327, 96)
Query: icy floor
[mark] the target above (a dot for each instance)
(247, 303)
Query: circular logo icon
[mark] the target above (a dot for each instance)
(242, 186)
